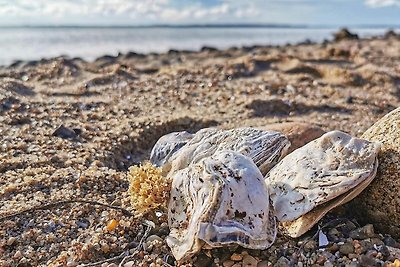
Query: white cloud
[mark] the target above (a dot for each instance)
(382, 3)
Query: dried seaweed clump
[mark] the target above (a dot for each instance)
(149, 189)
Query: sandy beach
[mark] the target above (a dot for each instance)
(70, 129)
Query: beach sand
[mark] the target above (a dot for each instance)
(70, 129)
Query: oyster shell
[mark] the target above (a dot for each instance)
(218, 201)
(265, 148)
(318, 177)
(167, 146)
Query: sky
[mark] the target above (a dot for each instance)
(149, 12)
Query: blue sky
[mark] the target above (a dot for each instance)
(142, 12)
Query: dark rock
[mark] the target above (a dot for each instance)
(208, 49)
(389, 241)
(203, 260)
(345, 34)
(349, 100)
(391, 34)
(65, 133)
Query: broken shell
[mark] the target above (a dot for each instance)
(318, 177)
(167, 146)
(265, 148)
(219, 201)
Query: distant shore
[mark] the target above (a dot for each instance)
(92, 42)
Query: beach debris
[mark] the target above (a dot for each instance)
(219, 200)
(318, 177)
(265, 148)
(378, 204)
(149, 190)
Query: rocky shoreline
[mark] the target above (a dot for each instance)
(70, 130)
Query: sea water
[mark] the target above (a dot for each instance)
(33, 43)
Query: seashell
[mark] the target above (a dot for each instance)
(265, 148)
(318, 177)
(167, 146)
(218, 201)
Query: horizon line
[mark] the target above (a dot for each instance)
(204, 25)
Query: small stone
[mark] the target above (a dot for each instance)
(349, 100)
(129, 264)
(282, 262)
(11, 241)
(346, 248)
(17, 255)
(389, 241)
(352, 256)
(112, 265)
(236, 257)
(152, 238)
(72, 263)
(264, 264)
(310, 245)
(202, 260)
(328, 264)
(333, 248)
(367, 261)
(363, 233)
(249, 261)
(64, 132)
(228, 263)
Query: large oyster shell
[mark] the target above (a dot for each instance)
(319, 176)
(265, 148)
(220, 200)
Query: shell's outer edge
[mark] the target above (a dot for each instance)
(318, 172)
(304, 223)
(167, 146)
(221, 200)
(265, 148)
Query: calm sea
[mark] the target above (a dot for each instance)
(89, 43)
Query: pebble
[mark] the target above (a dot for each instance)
(362, 233)
(72, 263)
(154, 238)
(236, 257)
(282, 262)
(310, 245)
(249, 261)
(202, 260)
(11, 241)
(367, 261)
(130, 264)
(346, 248)
(228, 263)
(264, 264)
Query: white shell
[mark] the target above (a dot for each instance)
(167, 146)
(265, 148)
(327, 168)
(221, 200)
